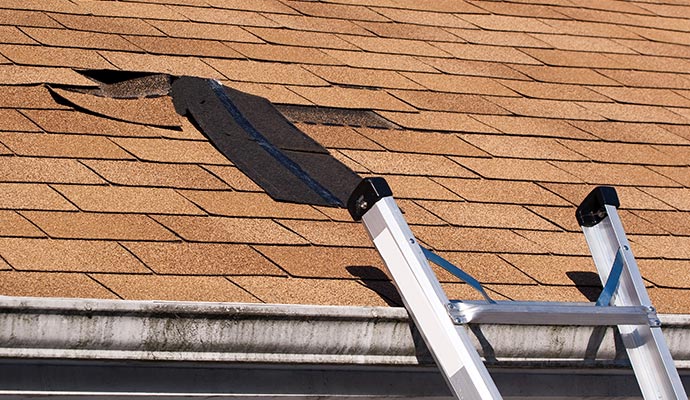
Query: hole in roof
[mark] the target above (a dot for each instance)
(252, 133)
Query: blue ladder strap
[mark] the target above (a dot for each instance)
(612, 281)
(462, 275)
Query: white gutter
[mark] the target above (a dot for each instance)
(115, 350)
(261, 333)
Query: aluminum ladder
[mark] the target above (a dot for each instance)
(624, 301)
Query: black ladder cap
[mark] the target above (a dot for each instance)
(592, 210)
(366, 194)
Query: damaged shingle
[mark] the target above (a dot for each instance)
(258, 139)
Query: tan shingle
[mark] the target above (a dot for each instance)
(635, 113)
(63, 121)
(80, 39)
(91, 23)
(631, 132)
(614, 174)
(527, 126)
(678, 174)
(51, 284)
(494, 191)
(554, 91)
(194, 30)
(460, 84)
(136, 173)
(338, 137)
(448, 238)
(174, 65)
(454, 102)
(646, 79)
(421, 142)
(12, 34)
(309, 291)
(474, 68)
(202, 259)
(127, 199)
(341, 11)
(498, 38)
(27, 18)
(437, 121)
(559, 74)
(487, 215)
(326, 261)
(516, 169)
(12, 120)
(321, 40)
(149, 111)
(555, 109)
(423, 17)
(45, 170)
(465, 51)
(68, 256)
(486, 268)
(342, 97)
(280, 53)
(58, 145)
(223, 16)
(183, 46)
(13, 224)
(233, 177)
(251, 71)
(419, 187)
(508, 23)
(522, 147)
(678, 198)
(244, 204)
(408, 31)
(363, 77)
(178, 288)
(229, 230)
(393, 62)
(395, 46)
(29, 196)
(677, 223)
(317, 24)
(556, 270)
(81, 225)
(407, 164)
(27, 97)
(44, 56)
(630, 197)
(330, 233)
(622, 152)
(174, 151)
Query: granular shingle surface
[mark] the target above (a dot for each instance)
(491, 122)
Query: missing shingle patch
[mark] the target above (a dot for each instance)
(127, 85)
(266, 146)
(335, 116)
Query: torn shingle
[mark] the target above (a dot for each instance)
(262, 143)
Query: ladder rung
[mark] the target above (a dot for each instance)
(550, 313)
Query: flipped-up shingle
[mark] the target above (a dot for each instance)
(490, 121)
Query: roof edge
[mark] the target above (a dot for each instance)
(272, 333)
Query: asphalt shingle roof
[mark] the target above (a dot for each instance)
(491, 121)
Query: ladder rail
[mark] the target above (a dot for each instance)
(425, 300)
(440, 321)
(645, 344)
